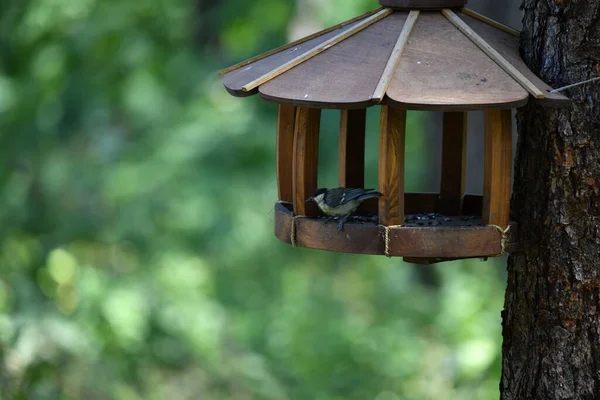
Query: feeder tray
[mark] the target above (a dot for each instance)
(407, 55)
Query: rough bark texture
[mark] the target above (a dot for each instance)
(551, 321)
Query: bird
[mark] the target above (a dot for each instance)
(341, 202)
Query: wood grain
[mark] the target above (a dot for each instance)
(497, 167)
(508, 47)
(388, 72)
(422, 4)
(297, 42)
(363, 238)
(352, 148)
(286, 119)
(235, 80)
(445, 242)
(391, 165)
(315, 234)
(344, 76)
(454, 163)
(306, 159)
(442, 70)
(359, 26)
(493, 54)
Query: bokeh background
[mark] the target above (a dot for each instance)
(137, 259)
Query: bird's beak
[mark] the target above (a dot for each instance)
(310, 199)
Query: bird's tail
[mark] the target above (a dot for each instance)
(369, 195)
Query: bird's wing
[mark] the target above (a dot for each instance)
(352, 194)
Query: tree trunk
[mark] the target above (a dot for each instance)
(551, 321)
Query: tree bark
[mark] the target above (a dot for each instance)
(551, 321)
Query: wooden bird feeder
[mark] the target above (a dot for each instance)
(407, 55)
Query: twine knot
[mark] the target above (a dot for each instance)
(293, 238)
(387, 230)
(504, 240)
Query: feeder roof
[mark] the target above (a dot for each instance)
(423, 60)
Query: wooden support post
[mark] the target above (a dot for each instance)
(352, 148)
(454, 163)
(286, 120)
(306, 157)
(498, 167)
(391, 165)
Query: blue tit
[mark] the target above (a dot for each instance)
(341, 202)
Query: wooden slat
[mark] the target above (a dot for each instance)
(422, 4)
(454, 163)
(493, 54)
(317, 50)
(235, 80)
(428, 261)
(508, 46)
(391, 165)
(497, 167)
(366, 238)
(491, 22)
(352, 148)
(442, 70)
(286, 119)
(392, 63)
(445, 242)
(343, 77)
(306, 157)
(314, 234)
(297, 42)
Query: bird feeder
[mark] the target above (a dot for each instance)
(407, 55)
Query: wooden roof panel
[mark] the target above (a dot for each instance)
(234, 80)
(508, 46)
(441, 69)
(343, 76)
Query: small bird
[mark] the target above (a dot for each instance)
(341, 202)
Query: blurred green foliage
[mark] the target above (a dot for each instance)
(137, 259)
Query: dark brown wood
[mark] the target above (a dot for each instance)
(344, 76)
(318, 50)
(420, 203)
(508, 46)
(441, 69)
(391, 165)
(423, 4)
(454, 163)
(297, 42)
(472, 205)
(352, 148)
(234, 80)
(368, 238)
(286, 118)
(423, 203)
(314, 234)
(451, 242)
(429, 261)
(497, 167)
(306, 158)
(551, 317)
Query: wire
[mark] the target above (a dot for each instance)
(574, 85)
